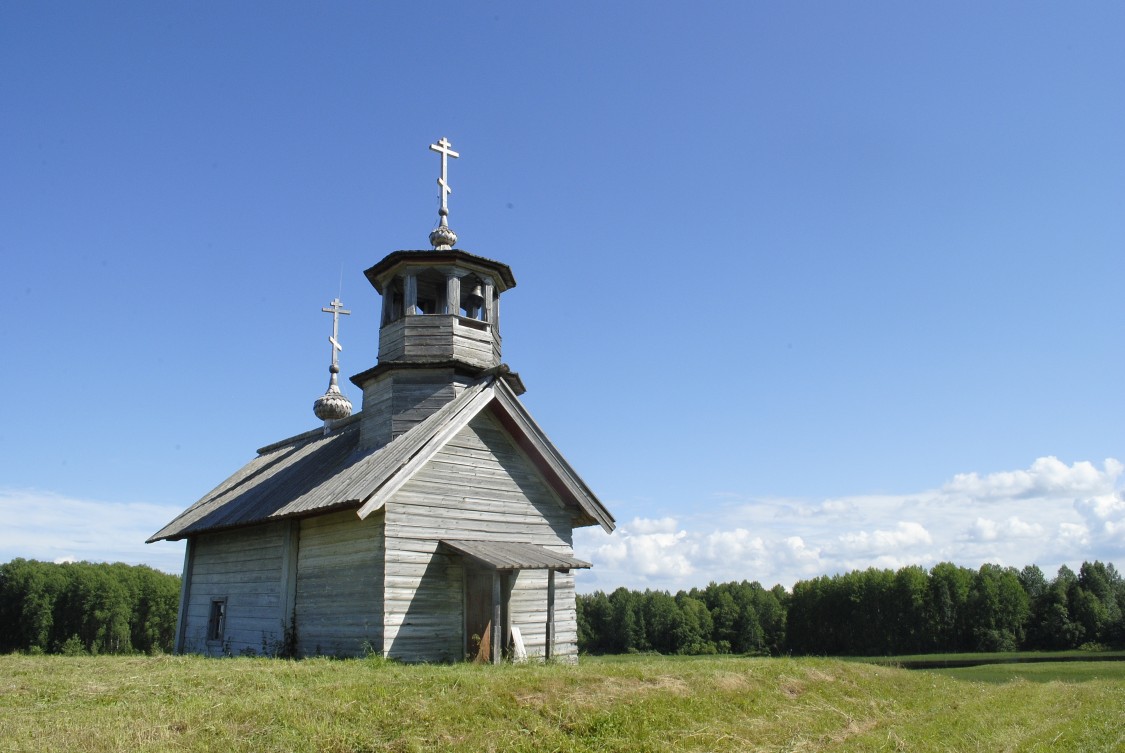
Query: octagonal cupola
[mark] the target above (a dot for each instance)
(439, 327)
(440, 305)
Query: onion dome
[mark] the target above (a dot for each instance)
(443, 238)
(333, 405)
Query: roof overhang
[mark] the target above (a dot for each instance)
(499, 555)
(391, 263)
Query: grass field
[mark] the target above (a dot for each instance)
(54, 703)
(950, 661)
(1068, 671)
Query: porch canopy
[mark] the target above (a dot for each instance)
(501, 557)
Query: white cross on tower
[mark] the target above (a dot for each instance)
(337, 308)
(442, 148)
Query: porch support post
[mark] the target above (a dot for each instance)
(497, 629)
(549, 648)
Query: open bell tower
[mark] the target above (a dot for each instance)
(439, 329)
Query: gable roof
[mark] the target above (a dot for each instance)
(314, 473)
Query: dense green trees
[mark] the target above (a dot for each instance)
(86, 607)
(867, 612)
(727, 618)
(102, 608)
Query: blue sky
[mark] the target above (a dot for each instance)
(802, 287)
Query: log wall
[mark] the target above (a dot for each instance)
(339, 585)
(244, 567)
(479, 486)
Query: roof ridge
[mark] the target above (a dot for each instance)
(311, 434)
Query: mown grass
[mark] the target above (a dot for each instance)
(650, 704)
(1068, 671)
(997, 657)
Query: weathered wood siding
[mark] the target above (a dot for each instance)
(416, 396)
(529, 614)
(396, 402)
(480, 486)
(244, 567)
(339, 588)
(439, 337)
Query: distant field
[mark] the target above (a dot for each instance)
(1069, 671)
(640, 704)
(935, 661)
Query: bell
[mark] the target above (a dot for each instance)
(476, 296)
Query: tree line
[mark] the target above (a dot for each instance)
(102, 608)
(867, 613)
(85, 607)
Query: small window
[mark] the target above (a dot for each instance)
(218, 620)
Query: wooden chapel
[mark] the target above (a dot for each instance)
(435, 524)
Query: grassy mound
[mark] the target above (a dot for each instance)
(646, 704)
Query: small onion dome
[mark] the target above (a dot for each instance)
(443, 238)
(333, 404)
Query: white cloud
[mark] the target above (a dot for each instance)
(738, 543)
(837, 506)
(1074, 536)
(646, 525)
(984, 530)
(1104, 516)
(1046, 477)
(1048, 514)
(56, 528)
(905, 534)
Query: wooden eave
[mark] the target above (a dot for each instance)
(502, 273)
(288, 479)
(548, 459)
(512, 378)
(459, 367)
(500, 555)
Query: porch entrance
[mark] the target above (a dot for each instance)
(490, 570)
(479, 608)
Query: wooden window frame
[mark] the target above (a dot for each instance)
(217, 620)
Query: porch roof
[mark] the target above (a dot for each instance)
(508, 556)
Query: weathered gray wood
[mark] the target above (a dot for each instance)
(242, 566)
(339, 585)
(410, 293)
(185, 595)
(477, 486)
(486, 314)
(289, 554)
(549, 645)
(497, 631)
(438, 337)
(452, 294)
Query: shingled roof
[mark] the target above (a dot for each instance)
(314, 473)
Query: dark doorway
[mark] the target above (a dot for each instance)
(478, 614)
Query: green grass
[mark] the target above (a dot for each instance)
(1069, 671)
(1000, 656)
(645, 704)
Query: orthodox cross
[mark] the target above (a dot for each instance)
(442, 148)
(337, 308)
